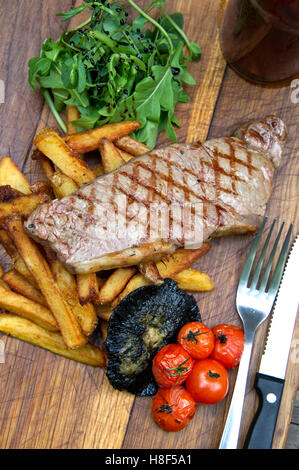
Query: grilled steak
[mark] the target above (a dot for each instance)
(134, 214)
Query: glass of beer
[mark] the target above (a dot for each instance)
(260, 39)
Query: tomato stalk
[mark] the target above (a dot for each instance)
(191, 336)
(214, 375)
(222, 338)
(165, 408)
(178, 370)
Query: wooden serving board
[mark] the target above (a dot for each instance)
(50, 402)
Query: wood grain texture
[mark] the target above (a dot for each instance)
(49, 402)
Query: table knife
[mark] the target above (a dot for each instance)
(270, 378)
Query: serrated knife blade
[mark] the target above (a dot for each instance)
(275, 357)
(269, 380)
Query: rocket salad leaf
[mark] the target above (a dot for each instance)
(112, 69)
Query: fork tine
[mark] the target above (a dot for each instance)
(270, 262)
(251, 256)
(280, 264)
(261, 259)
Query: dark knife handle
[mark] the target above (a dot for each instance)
(260, 434)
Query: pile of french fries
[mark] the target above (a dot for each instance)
(50, 307)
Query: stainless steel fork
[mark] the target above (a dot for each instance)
(254, 303)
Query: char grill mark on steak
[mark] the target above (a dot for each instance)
(231, 182)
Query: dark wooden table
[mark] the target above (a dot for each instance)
(49, 402)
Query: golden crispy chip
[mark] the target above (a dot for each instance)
(40, 269)
(180, 259)
(125, 155)
(8, 194)
(62, 185)
(27, 308)
(18, 262)
(87, 286)
(150, 271)
(72, 114)
(115, 284)
(104, 329)
(98, 170)
(19, 284)
(55, 148)
(11, 175)
(27, 331)
(193, 280)
(87, 141)
(132, 146)
(42, 187)
(104, 311)
(66, 282)
(21, 206)
(137, 281)
(111, 157)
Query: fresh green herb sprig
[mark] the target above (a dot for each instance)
(113, 70)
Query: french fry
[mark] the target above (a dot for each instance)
(42, 187)
(115, 284)
(101, 281)
(18, 262)
(21, 206)
(104, 312)
(192, 280)
(150, 271)
(125, 155)
(3, 283)
(135, 282)
(88, 289)
(8, 194)
(111, 157)
(72, 114)
(87, 141)
(40, 269)
(27, 308)
(19, 284)
(98, 170)
(55, 148)
(85, 314)
(180, 259)
(11, 175)
(27, 331)
(62, 185)
(104, 329)
(46, 164)
(132, 146)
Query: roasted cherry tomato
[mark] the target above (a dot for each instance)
(173, 408)
(172, 365)
(197, 339)
(208, 381)
(229, 345)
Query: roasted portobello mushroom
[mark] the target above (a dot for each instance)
(144, 322)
